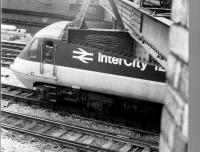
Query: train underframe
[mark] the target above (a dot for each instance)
(95, 101)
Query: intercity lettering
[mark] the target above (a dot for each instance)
(119, 61)
(85, 57)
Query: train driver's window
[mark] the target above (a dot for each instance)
(33, 49)
(48, 54)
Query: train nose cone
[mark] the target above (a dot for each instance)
(12, 65)
(20, 69)
(15, 66)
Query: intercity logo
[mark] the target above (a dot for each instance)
(83, 56)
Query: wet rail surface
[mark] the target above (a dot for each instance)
(77, 137)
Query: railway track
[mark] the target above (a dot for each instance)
(10, 51)
(13, 45)
(79, 138)
(19, 94)
(30, 96)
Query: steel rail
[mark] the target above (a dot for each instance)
(12, 45)
(68, 143)
(117, 137)
(84, 131)
(34, 100)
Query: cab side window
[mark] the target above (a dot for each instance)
(33, 49)
(48, 53)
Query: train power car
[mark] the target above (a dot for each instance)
(80, 73)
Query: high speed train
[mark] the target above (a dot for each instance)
(79, 72)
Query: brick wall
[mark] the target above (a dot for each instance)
(174, 127)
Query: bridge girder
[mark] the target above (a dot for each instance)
(149, 31)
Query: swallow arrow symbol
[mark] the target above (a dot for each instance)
(83, 56)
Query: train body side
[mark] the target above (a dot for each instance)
(90, 69)
(47, 59)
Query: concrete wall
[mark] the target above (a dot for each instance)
(156, 33)
(174, 127)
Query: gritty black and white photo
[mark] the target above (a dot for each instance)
(94, 75)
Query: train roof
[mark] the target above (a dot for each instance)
(52, 31)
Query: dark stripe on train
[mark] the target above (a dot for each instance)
(65, 54)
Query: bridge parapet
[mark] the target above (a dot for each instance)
(149, 31)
